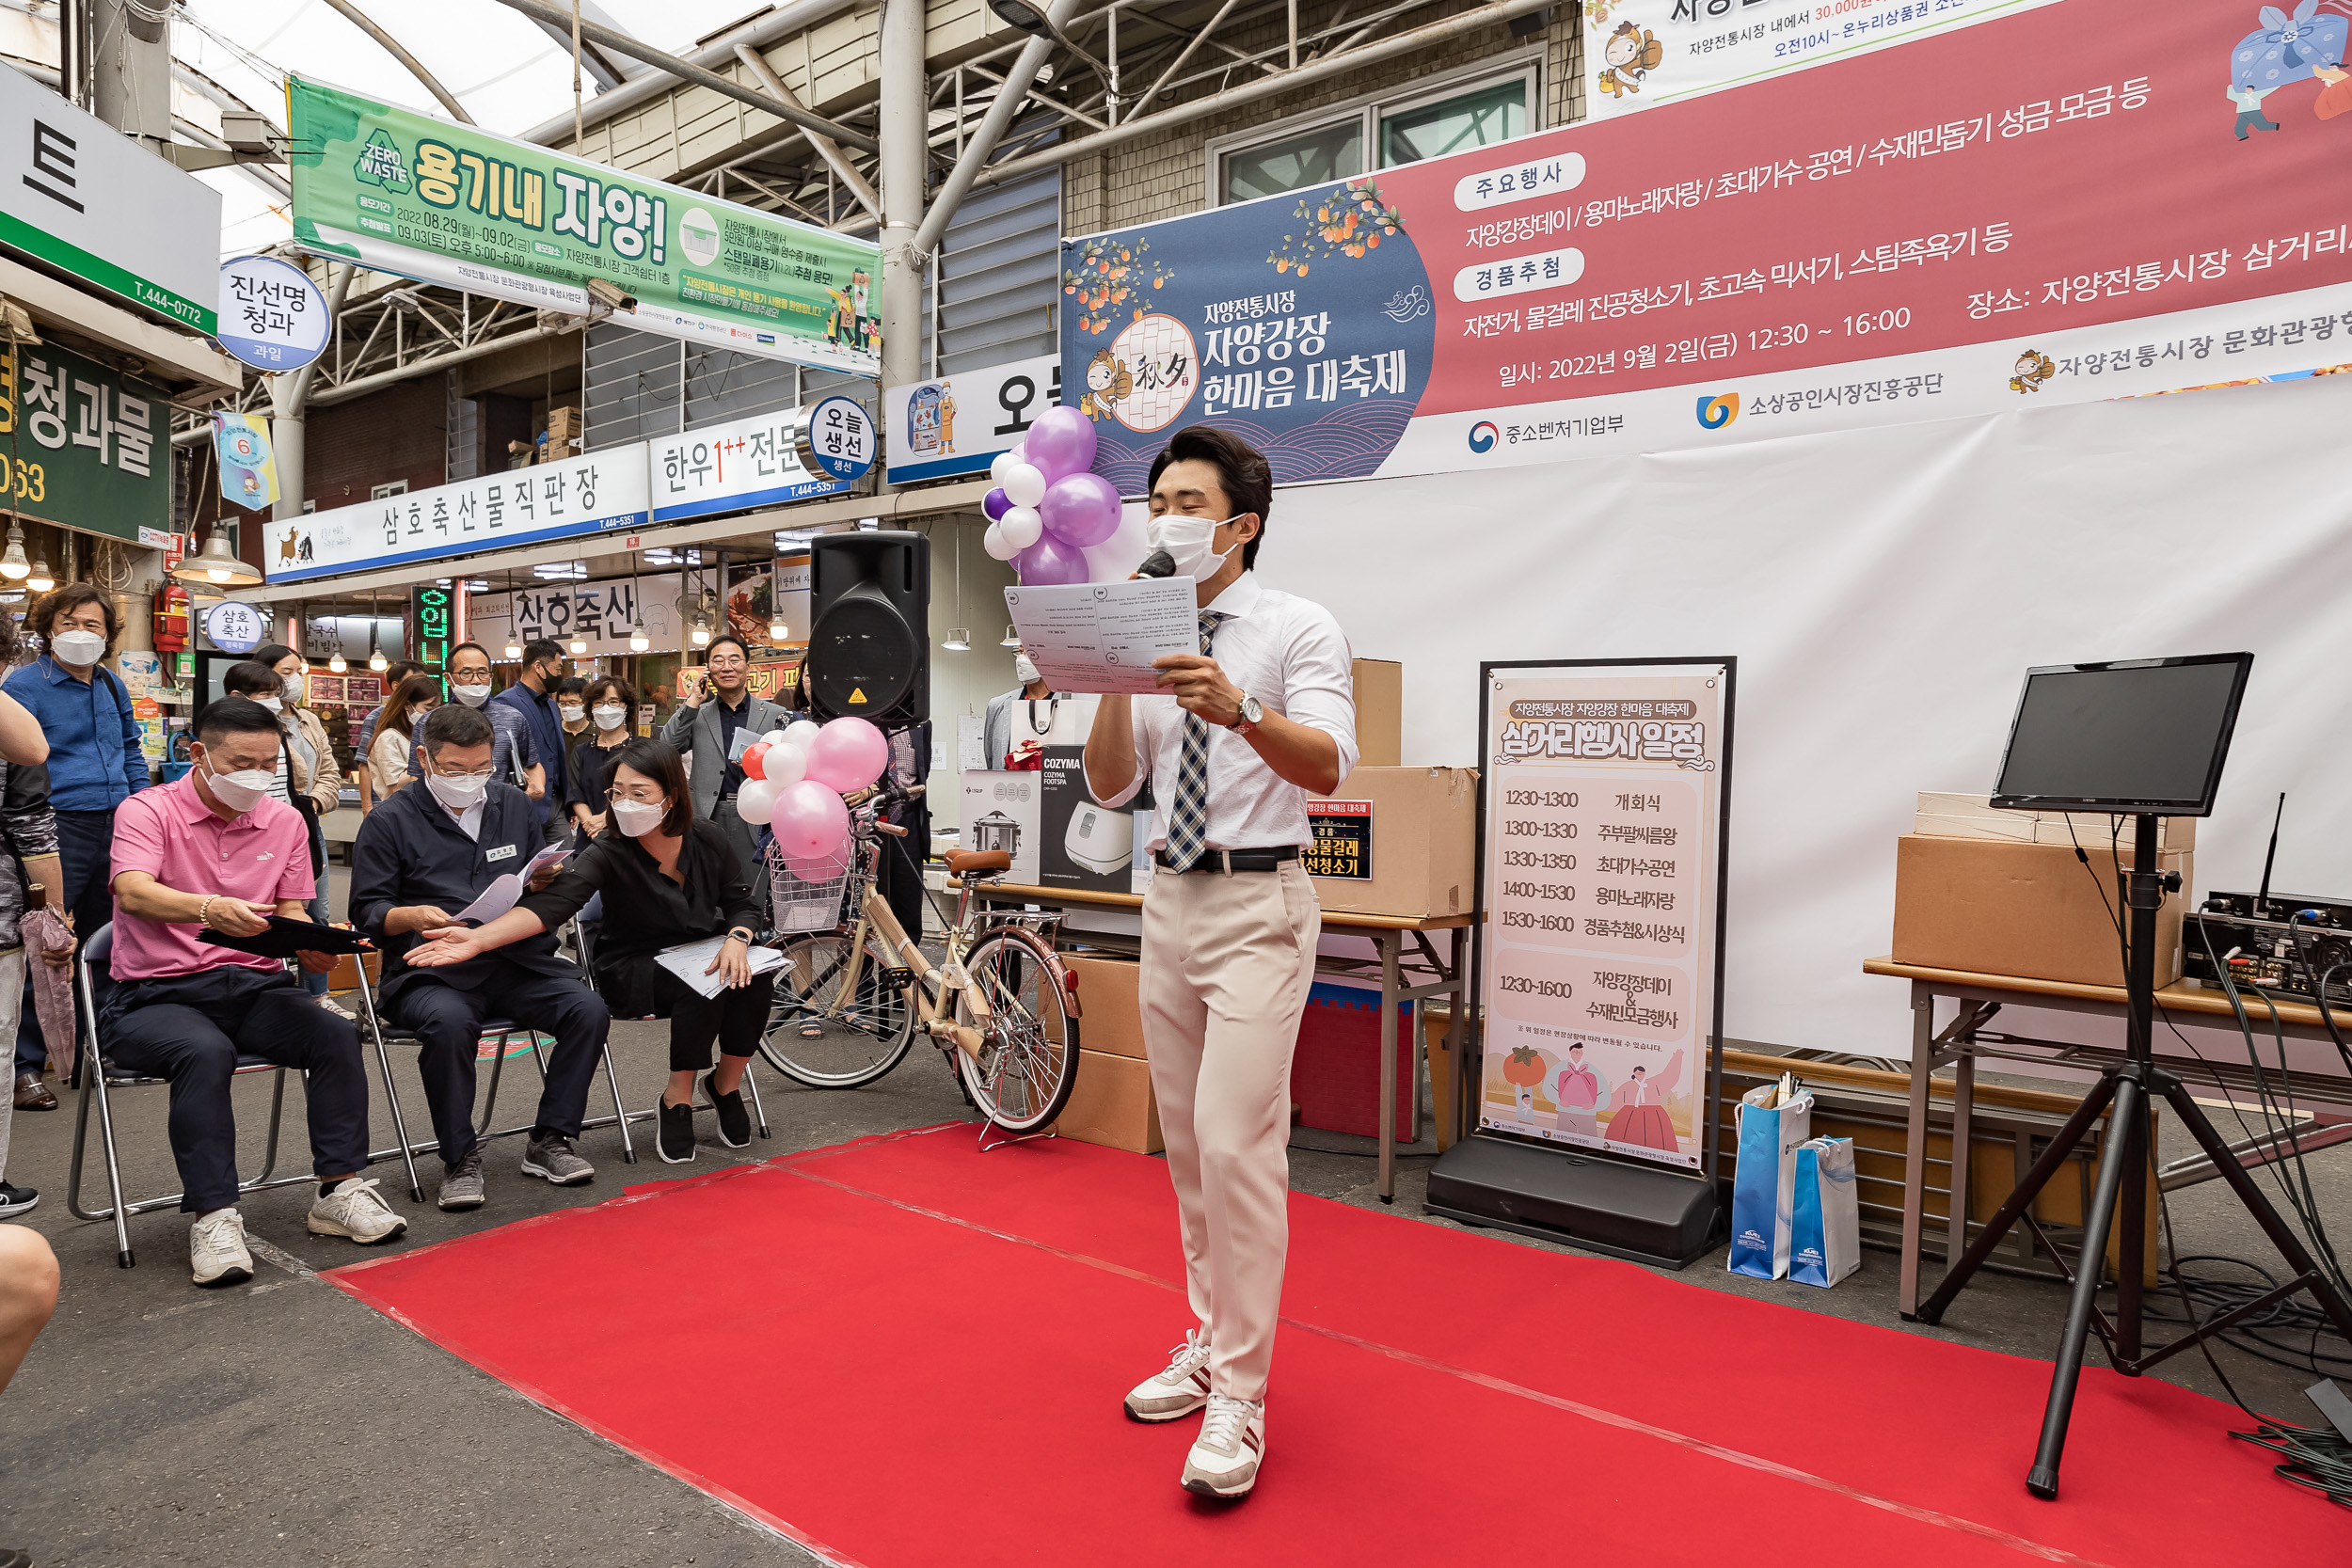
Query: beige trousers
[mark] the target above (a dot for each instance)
(1226, 964)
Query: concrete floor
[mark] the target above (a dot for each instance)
(283, 1423)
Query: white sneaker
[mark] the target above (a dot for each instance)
(356, 1210)
(1225, 1457)
(1180, 1390)
(217, 1252)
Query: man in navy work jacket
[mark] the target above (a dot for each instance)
(421, 857)
(94, 765)
(542, 666)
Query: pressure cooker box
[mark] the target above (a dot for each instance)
(1000, 812)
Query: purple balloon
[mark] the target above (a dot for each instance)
(1061, 442)
(1080, 509)
(1049, 562)
(996, 503)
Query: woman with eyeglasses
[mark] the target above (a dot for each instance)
(588, 759)
(395, 732)
(678, 880)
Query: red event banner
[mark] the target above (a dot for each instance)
(2063, 204)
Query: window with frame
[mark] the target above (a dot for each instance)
(1397, 130)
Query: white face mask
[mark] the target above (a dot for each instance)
(458, 794)
(416, 715)
(608, 716)
(572, 713)
(636, 819)
(1186, 541)
(238, 791)
(292, 687)
(1024, 671)
(272, 703)
(80, 649)
(472, 696)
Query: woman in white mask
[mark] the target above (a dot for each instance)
(680, 882)
(587, 765)
(395, 733)
(1015, 728)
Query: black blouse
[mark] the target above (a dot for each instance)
(644, 911)
(588, 774)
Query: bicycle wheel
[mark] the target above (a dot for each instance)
(1025, 1071)
(858, 1037)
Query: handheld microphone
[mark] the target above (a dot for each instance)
(1159, 563)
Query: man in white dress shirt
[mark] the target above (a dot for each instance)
(1243, 735)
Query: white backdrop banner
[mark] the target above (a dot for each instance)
(1884, 591)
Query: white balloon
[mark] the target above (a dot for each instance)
(756, 803)
(1005, 462)
(1023, 527)
(1022, 485)
(774, 738)
(801, 734)
(994, 542)
(785, 766)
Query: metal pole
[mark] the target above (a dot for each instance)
(130, 71)
(992, 126)
(904, 127)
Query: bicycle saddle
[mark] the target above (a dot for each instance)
(972, 862)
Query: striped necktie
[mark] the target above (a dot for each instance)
(1188, 817)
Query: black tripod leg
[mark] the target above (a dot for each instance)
(2053, 1158)
(2130, 1102)
(2282, 1235)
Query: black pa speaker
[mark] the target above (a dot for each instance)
(869, 645)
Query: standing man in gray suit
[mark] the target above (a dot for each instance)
(719, 718)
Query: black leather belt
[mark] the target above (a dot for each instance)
(1234, 859)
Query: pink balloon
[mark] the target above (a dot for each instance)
(1081, 509)
(824, 868)
(996, 503)
(1049, 560)
(847, 755)
(810, 820)
(1060, 442)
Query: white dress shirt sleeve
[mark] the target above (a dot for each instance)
(1140, 726)
(1319, 672)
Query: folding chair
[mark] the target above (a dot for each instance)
(501, 1031)
(583, 935)
(97, 1081)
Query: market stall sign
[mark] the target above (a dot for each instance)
(737, 467)
(272, 316)
(779, 681)
(835, 436)
(957, 424)
(80, 442)
(1340, 845)
(431, 607)
(600, 614)
(595, 494)
(235, 628)
(82, 197)
(451, 204)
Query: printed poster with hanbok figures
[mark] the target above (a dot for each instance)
(1604, 806)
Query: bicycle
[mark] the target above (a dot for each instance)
(1003, 1008)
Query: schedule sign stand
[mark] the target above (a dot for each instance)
(1604, 804)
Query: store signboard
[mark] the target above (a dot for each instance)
(79, 195)
(1602, 810)
(594, 494)
(235, 628)
(452, 204)
(272, 316)
(2052, 204)
(1642, 53)
(735, 467)
(1340, 839)
(80, 442)
(957, 424)
(600, 614)
(434, 610)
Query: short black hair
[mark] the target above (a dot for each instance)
(274, 655)
(400, 670)
(454, 724)
(622, 693)
(541, 647)
(462, 647)
(233, 716)
(658, 759)
(727, 637)
(252, 679)
(1241, 470)
(570, 686)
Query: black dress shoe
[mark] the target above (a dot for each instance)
(33, 1095)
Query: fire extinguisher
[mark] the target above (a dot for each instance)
(171, 620)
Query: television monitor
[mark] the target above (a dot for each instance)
(2136, 736)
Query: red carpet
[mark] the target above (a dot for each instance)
(906, 1354)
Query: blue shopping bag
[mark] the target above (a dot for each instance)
(1763, 1185)
(1827, 1242)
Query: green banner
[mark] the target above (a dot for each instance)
(404, 193)
(82, 446)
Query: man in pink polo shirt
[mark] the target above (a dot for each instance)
(213, 850)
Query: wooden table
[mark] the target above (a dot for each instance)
(1965, 1039)
(1394, 967)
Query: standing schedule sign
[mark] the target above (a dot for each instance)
(1603, 817)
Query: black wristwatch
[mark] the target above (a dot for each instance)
(739, 934)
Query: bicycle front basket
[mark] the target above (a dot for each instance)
(806, 893)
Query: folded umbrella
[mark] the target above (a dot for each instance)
(44, 932)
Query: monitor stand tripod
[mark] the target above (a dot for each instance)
(2131, 1087)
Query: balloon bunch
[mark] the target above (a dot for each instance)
(1047, 507)
(793, 781)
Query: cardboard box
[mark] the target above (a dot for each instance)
(345, 974)
(1422, 842)
(1111, 1104)
(1379, 712)
(1997, 908)
(564, 432)
(1110, 1007)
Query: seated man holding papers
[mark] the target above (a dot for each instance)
(461, 849)
(212, 852)
(677, 879)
